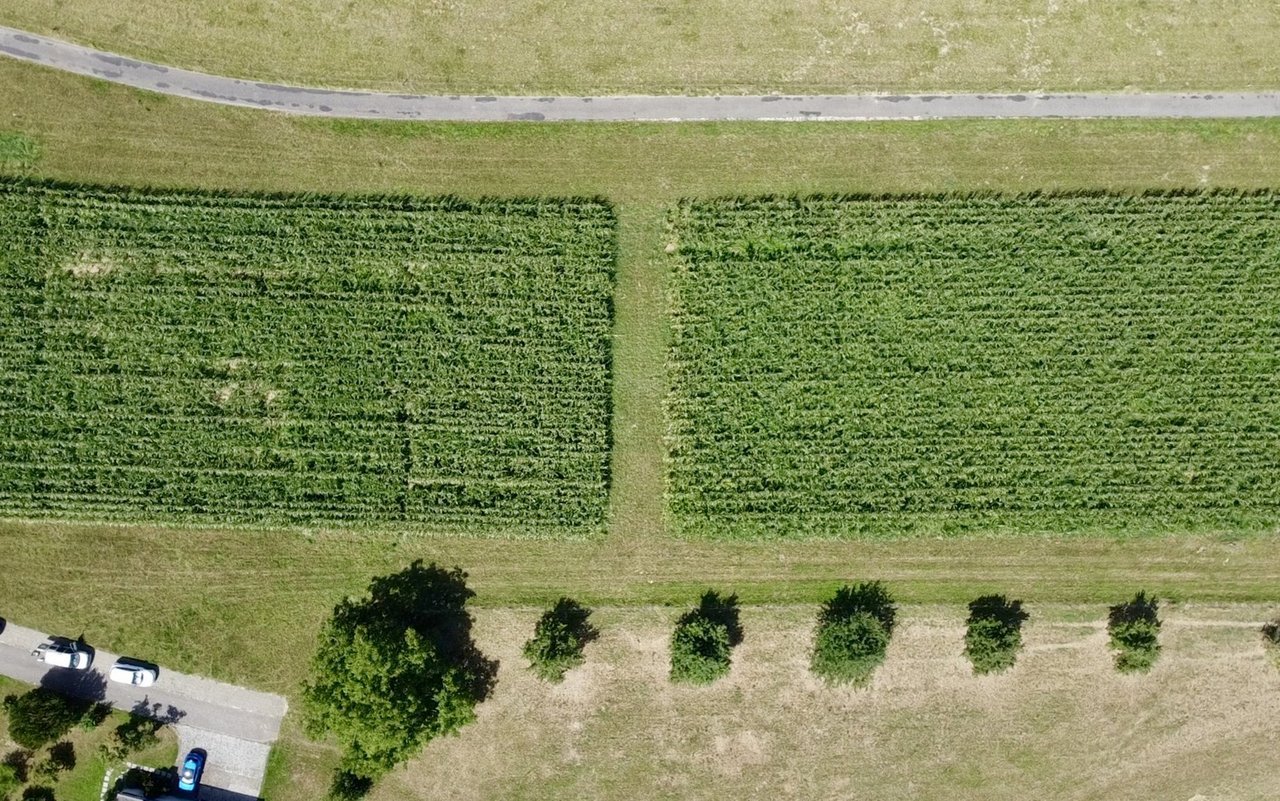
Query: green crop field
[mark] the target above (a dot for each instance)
(937, 365)
(275, 360)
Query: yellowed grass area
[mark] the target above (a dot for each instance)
(1060, 725)
(581, 47)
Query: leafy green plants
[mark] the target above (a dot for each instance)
(936, 365)
(853, 633)
(1134, 627)
(558, 639)
(703, 640)
(994, 634)
(41, 715)
(394, 670)
(422, 364)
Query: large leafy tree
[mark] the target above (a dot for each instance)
(396, 668)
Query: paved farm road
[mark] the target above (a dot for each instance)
(376, 105)
(235, 725)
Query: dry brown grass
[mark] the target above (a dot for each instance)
(576, 46)
(1061, 724)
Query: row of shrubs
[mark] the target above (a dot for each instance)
(851, 637)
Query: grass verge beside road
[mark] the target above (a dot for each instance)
(717, 46)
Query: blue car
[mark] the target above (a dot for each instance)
(189, 776)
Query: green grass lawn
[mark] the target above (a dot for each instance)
(939, 365)
(791, 46)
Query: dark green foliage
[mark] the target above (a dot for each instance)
(38, 793)
(10, 780)
(853, 633)
(152, 783)
(390, 363)
(1134, 627)
(396, 668)
(704, 638)
(19, 760)
(938, 365)
(95, 716)
(994, 634)
(558, 640)
(134, 734)
(40, 716)
(349, 787)
(62, 756)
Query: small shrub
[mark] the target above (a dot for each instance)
(38, 793)
(133, 735)
(20, 760)
(558, 640)
(704, 639)
(853, 633)
(95, 716)
(62, 756)
(1271, 636)
(41, 716)
(10, 780)
(994, 635)
(1135, 631)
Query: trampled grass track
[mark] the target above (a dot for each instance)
(936, 365)
(424, 364)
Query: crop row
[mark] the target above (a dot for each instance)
(435, 364)
(932, 365)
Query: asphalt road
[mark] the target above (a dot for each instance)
(462, 108)
(235, 725)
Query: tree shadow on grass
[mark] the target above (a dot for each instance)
(720, 610)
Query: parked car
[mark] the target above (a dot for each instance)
(64, 654)
(192, 768)
(130, 671)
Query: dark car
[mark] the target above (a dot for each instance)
(189, 774)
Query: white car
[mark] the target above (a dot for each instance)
(64, 654)
(133, 673)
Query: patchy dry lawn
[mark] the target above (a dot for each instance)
(1060, 725)
(797, 46)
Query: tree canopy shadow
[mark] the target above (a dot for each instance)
(717, 609)
(88, 686)
(431, 600)
(574, 617)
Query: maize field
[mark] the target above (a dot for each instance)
(196, 358)
(929, 366)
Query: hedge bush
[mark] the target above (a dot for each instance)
(853, 633)
(1135, 633)
(994, 634)
(704, 639)
(40, 716)
(558, 640)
